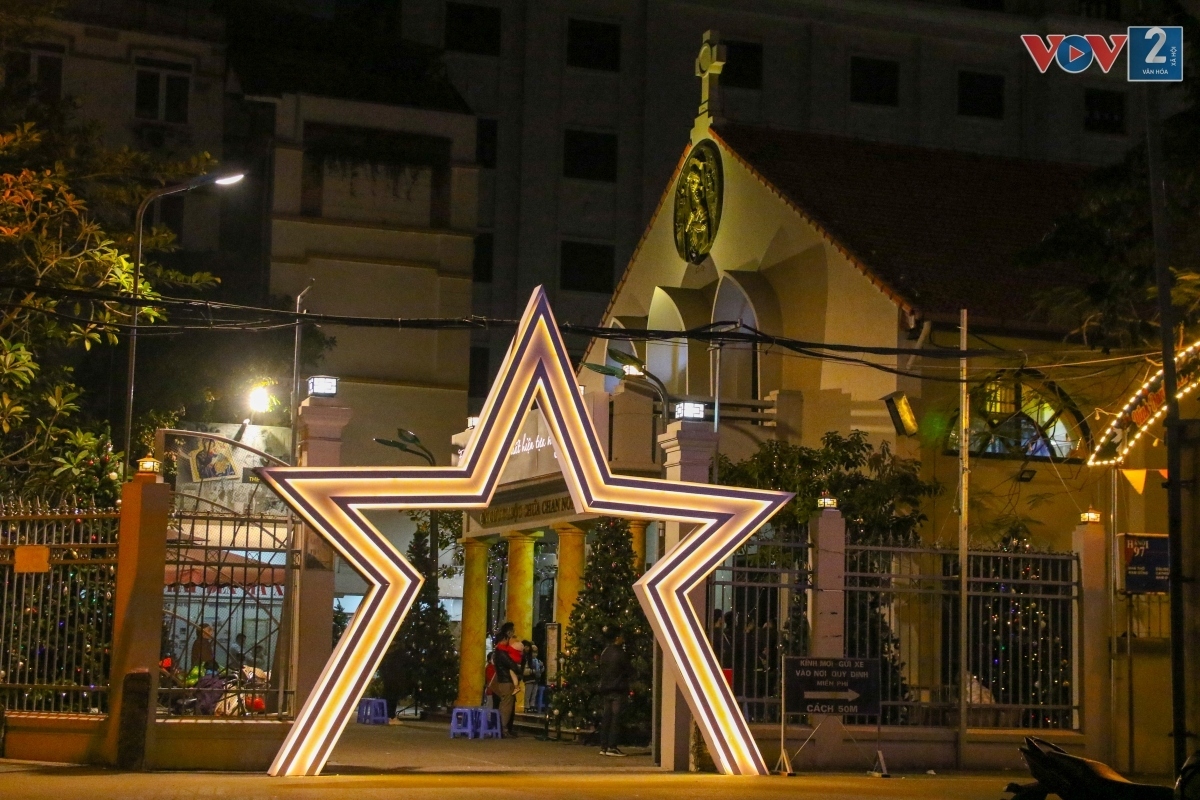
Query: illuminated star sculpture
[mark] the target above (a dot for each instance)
(536, 369)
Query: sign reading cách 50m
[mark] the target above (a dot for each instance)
(832, 685)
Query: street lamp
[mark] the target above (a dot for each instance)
(212, 178)
(409, 442)
(259, 400)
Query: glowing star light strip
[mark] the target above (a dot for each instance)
(536, 369)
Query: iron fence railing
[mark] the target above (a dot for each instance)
(1022, 610)
(758, 611)
(58, 569)
(229, 590)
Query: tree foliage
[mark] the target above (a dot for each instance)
(878, 492)
(606, 601)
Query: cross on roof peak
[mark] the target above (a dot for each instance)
(709, 64)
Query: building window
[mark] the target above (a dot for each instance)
(162, 92)
(743, 65)
(168, 212)
(594, 45)
(590, 156)
(478, 379)
(1100, 9)
(586, 267)
(984, 5)
(39, 73)
(481, 267)
(980, 95)
(874, 81)
(1025, 419)
(473, 29)
(1104, 111)
(486, 135)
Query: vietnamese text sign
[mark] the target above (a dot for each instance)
(832, 685)
(1147, 560)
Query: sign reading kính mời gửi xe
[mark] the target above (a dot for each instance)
(832, 685)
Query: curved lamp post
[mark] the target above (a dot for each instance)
(409, 442)
(212, 178)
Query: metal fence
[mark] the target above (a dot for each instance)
(57, 579)
(227, 599)
(902, 607)
(758, 610)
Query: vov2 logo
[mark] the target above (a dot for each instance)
(1155, 52)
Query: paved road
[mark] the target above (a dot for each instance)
(417, 761)
(21, 781)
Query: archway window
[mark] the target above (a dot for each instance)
(1024, 418)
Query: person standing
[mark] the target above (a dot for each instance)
(507, 659)
(615, 672)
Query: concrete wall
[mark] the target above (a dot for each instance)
(374, 248)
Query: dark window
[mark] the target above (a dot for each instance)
(478, 380)
(175, 99)
(170, 214)
(486, 133)
(594, 45)
(984, 5)
(590, 156)
(49, 77)
(1104, 111)
(481, 267)
(980, 95)
(874, 81)
(146, 100)
(473, 29)
(743, 65)
(586, 267)
(1100, 9)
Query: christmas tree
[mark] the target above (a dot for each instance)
(606, 601)
(422, 663)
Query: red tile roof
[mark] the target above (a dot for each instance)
(936, 229)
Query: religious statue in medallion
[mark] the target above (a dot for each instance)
(698, 202)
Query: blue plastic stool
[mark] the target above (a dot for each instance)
(490, 727)
(462, 722)
(372, 711)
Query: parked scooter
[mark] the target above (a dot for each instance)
(1057, 772)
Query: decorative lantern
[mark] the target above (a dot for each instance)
(826, 500)
(1089, 516)
(149, 465)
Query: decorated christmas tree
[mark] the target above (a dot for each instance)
(421, 666)
(606, 601)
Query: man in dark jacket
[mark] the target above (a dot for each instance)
(615, 671)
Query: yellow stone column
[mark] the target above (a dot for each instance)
(473, 647)
(519, 592)
(637, 535)
(570, 574)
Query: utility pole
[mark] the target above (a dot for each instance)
(1166, 313)
(964, 474)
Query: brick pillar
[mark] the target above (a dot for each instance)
(519, 592)
(137, 616)
(570, 575)
(1092, 641)
(828, 538)
(322, 421)
(473, 648)
(637, 536)
(689, 448)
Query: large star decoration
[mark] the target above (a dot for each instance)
(536, 369)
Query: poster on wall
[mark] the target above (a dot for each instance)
(551, 658)
(217, 476)
(1146, 558)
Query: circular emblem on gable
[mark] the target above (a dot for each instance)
(698, 202)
